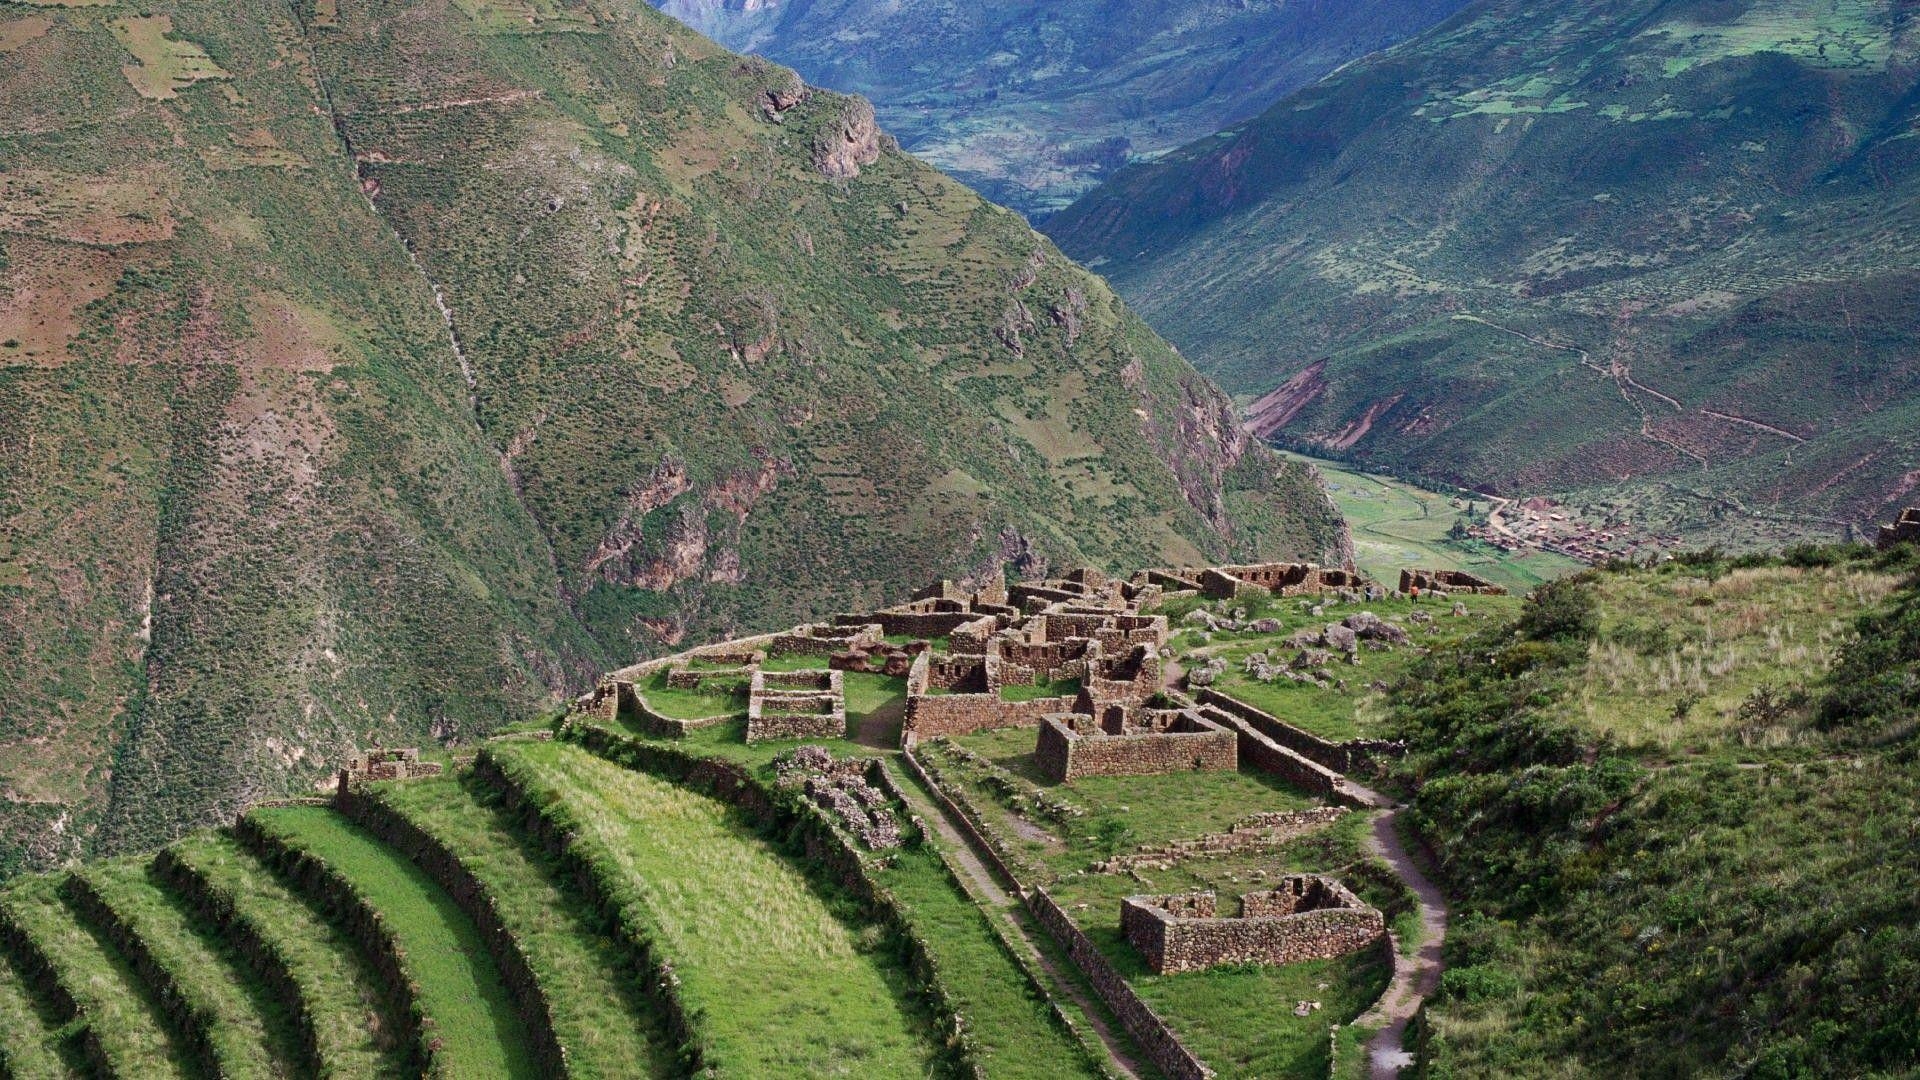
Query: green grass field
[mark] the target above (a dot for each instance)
(600, 1016)
(1034, 691)
(103, 986)
(350, 1034)
(781, 984)
(249, 1034)
(1397, 525)
(458, 985)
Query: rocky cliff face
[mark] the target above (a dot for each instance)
(386, 371)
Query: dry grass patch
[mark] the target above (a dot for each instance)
(164, 65)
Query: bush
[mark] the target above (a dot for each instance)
(1563, 610)
(1479, 983)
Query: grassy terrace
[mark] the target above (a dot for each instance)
(599, 1014)
(104, 987)
(459, 986)
(247, 1033)
(1121, 811)
(30, 1049)
(1329, 712)
(783, 985)
(1014, 1030)
(334, 984)
(712, 699)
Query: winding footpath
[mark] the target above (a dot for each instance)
(1416, 979)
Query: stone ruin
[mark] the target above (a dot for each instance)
(1904, 531)
(1257, 832)
(1306, 917)
(840, 786)
(1276, 579)
(1448, 581)
(796, 705)
(397, 764)
(1132, 741)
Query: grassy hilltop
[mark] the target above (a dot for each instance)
(386, 370)
(1660, 254)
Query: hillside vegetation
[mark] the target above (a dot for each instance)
(1569, 248)
(380, 370)
(1032, 104)
(1677, 809)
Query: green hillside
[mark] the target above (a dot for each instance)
(388, 370)
(1656, 254)
(1677, 808)
(1671, 808)
(1031, 104)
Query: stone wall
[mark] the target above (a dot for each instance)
(1156, 1039)
(686, 678)
(1353, 756)
(1185, 743)
(824, 639)
(1260, 752)
(1904, 531)
(396, 764)
(1306, 917)
(1452, 581)
(796, 705)
(1279, 579)
(921, 624)
(933, 715)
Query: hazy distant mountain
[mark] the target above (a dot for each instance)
(1033, 103)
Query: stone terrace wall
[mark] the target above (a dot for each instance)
(923, 624)
(1191, 743)
(1305, 918)
(1357, 755)
(933, 715)
(1156, 1039)
(796, 705)
(1262, 753)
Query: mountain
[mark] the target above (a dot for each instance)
(381, 371)
(1659, 254)
(1031, 104)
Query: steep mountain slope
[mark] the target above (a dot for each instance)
(1032, 103)
(1544, 247)
(384, 370)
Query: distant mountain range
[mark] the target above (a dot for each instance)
(386, 371)
(1031, 104)
(1664, 255)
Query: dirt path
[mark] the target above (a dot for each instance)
(1414, 980)
(994, 899)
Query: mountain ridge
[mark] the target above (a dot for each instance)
(1639, 216)
(382, 372)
